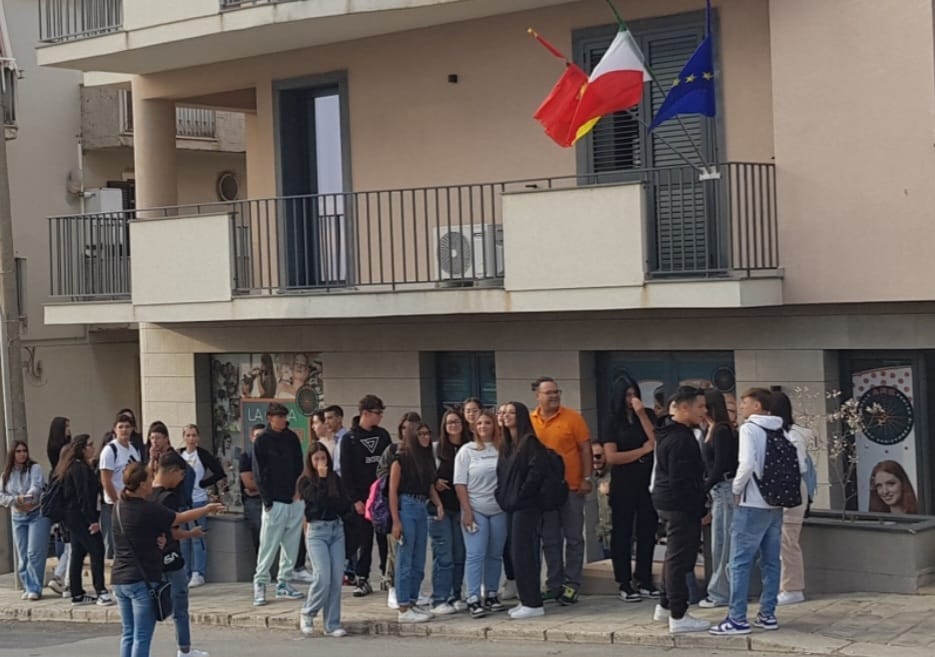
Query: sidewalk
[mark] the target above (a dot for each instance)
(854, 625)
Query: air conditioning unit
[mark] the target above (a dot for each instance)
(468, 252)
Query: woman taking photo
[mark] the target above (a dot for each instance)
(326, 505)
(629, 440)
(140, 526)
(412, 485)
(447, 540)
(719, 451)
(20, 486)
(81, 490)
(208, 472)
(519, 482)
(482, 520)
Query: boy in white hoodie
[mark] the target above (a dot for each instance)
(757, 526)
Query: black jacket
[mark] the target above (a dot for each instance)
(720, 456)
(81, 490)
(520, 475)
(679, 481)
(214, 471)
(277, 465)
(319, 505)
(361, 450)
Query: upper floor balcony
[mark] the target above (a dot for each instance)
(654, 238)
(142, 36)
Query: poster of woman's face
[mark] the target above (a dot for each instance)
(890, 489)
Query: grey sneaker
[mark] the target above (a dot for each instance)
(259, 595)
(284, 591)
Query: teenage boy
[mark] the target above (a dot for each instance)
(757, 526)
(115, 457)
(679, 498)
(277, 466)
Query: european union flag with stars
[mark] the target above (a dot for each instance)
(693, 91)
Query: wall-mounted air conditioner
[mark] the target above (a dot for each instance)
(465, 252)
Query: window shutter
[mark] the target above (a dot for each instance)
(615, 141)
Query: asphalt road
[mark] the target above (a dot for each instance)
(35, 639)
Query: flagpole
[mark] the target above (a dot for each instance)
(652, 74)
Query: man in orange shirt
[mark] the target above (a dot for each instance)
(564, 431)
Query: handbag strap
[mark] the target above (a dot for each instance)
(132, 551)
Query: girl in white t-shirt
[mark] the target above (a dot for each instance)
(208, 472)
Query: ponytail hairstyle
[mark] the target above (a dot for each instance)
(134, 477)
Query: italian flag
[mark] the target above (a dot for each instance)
(616, 84)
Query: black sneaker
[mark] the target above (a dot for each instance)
(569, 596)
(83, 601)
(627, 594)
(650, 592)
(363, 588)
(551, 596)
(492, 603)
(475, 608)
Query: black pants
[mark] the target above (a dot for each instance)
(508, 571)
(525, 547)
(364, 546)
(253, 512)
(383, 548)
(683, 538)
(629, 504)
(301, 557)
(84, 543)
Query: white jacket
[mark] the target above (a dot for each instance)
(751, 458)
(801, 437)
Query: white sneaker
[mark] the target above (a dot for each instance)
(306, 624)
(424, 600)
(391, 601)
(687, 623)
(443, 609)
(302, 576)
(33, 596)
(459, 605)
(196, 581)
(660, 615)
(508, 590)
(337, 633)
(422, 609)
(412, 616)
(790, 598)
(521, 612)
(104, 600)
(259, 594)
(192, 652)
(25, 596)
(57, 585)
(708, 603)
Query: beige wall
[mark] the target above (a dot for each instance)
(854, 108)
(403, 109)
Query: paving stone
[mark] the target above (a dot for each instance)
(863, 649)
(636, 638)
(413, 629)
(455, 630)
(248, 620)
(705, 640)
(790, 641)
(516, 631)
(284, 621)
(580, 633)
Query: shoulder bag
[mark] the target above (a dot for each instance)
(161, 594)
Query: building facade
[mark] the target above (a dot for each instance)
(410, 232)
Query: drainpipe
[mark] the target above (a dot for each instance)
(8, 432)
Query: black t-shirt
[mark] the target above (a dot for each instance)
(172, 553)
(412, 479)
(626, 437)
(246, 465)
(137, 525)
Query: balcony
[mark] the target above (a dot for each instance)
(190, 122)
(660, 238)
(70, 20)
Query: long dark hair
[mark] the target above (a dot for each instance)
(58, 437)
(11, 462)
(621, 413)
(134, 476)
(411, 416)
(412, 455)
(781, 406)
(717, 408)
(524, 430)
(310, 472)
(446, 448)
(74, 451)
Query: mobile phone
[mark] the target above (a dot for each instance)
(473, 528)
(28, 498)
(402, 540)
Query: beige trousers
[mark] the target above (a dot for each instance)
(793, 568)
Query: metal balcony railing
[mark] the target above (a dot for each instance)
(69, 20)
(234, 4)
(448, 236)
(190, 122)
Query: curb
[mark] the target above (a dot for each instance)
(788, 641)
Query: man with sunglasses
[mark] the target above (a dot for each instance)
(361, 450)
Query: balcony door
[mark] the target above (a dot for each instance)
(313, 180)
(681, 210)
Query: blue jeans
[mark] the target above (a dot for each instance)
(447, 557)
(107, 529)
(484, 553)
(137, 617)
(754, 531)
(31, 534)
(324, 541)
(183, 631)
(193, 549)
(722, 513)
(410, 553)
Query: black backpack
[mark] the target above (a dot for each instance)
(553, 493)
(781, 482)
(52, 500)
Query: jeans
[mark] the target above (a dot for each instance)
(410, 552)
(722, 513)
(324, 541)
(683, 538)
(64, 558)
(183, 630)
(137, 617)
(629, 502)
(525, 528)
(31, 534)
(282, 530)
(83, 542)
(107, 529)
(754, 531)
(194, 551)
(563, 544)
(793, 567)
(447, 557)
(484, 553)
